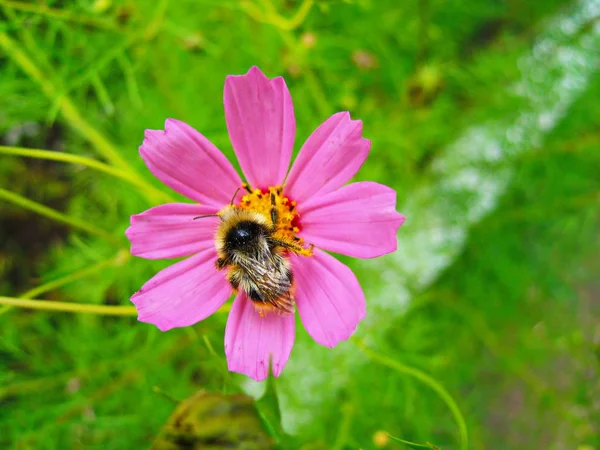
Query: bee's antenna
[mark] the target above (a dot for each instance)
(236, 193)
(206, 215)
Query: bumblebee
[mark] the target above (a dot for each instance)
(256, 253)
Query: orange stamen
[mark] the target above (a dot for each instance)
(287, 216)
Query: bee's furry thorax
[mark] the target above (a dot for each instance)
(231, 219)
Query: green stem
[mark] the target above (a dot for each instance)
(26, 37)
(58, 14)
(271, 16)
(156, 20)
(118, 259)
(82, 160)
(55, 215)
(427, 380)
(48, 305)
(164, 394)
(345, 426)
(68, 109)
(413, 444)
(318, 93)
(81, 308)
(316, 89)
(98, 65)
(66, 157)
(130, 81)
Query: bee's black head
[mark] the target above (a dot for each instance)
(245, 236)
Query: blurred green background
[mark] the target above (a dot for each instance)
(484, 116)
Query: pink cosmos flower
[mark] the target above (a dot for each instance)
(357, 220)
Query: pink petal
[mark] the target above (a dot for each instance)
(329, 158)
(261, 124)
(358, 220)
(330, 301)
(251, 341)
(170, 231)
(190, 164)
(184, 293)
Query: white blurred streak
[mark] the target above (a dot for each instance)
(439, 214)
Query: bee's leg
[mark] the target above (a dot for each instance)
(234, 278)
(221, 263)
(255, 295)
(273, 209)
(292, 246)
(284, 244)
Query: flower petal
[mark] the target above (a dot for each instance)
(170, 231)
(329, 158)
(251, 341)
(358, 220)
(261, 124)
(330, 301)
(190, 164)
(184, 293)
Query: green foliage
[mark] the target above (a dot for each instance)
(496, 301)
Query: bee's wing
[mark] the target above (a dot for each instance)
(269, 277)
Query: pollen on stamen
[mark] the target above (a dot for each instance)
(262, 201)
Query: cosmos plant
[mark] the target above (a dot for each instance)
(309, 205)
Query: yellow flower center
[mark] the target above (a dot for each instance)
(279, 210)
